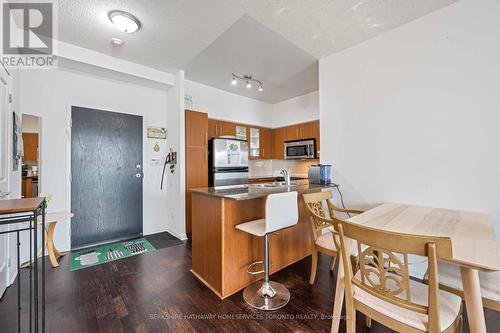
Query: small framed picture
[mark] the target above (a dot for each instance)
(157, 132)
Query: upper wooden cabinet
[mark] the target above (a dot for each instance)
(196, 128)
(30, 145)
(221, 128)
(279, 138)
(309, 130)
(266, 143)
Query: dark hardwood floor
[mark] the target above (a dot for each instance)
(155, 292)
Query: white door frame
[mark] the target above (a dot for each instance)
(5, 181)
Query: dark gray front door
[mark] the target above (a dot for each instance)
(106, 182)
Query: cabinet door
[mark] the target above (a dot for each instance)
(317, 137)
(292, 132)
(197, 132)
(308, 130)
(227, 128)
(213, 128)
(196, 176)
(266, 143)
(254, 143)
(279, 135)
(196, 128)
(30, 145)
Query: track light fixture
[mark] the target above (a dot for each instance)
(248, 81)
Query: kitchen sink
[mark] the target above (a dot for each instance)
(271, 185)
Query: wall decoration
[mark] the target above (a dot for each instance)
(157, 132)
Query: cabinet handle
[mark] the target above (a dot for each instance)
(297, 132)
(301, 133)
(263, 152)
(206, 138)
(206, 155)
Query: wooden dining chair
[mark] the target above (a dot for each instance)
(319, 220)
(450, 280)
(382, 289)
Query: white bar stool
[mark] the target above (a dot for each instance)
(281, 212)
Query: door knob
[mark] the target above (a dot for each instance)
(138, 175)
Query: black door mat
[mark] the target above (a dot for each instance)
(163, 240)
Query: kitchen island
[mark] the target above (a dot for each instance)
(221, 253)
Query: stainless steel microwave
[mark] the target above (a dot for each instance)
(304, 149)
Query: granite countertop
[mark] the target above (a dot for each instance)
(254, 191)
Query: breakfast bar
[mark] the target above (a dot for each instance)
(221, 253)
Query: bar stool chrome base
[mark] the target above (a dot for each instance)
(266, 296)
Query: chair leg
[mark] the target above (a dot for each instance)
(351, 319)
(314, 266)
(332, 263)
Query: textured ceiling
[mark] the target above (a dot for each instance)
(174, 32)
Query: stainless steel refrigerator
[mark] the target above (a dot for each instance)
(227, 161)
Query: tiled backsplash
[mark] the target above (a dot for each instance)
(272, 168)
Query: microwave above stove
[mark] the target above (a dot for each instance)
(299, 150)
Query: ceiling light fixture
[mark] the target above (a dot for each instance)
(116, 41)
(124, 21)
(248, 81)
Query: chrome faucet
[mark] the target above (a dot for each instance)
(286, 175)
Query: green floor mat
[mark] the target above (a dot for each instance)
(107, 253)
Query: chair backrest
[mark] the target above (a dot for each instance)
(315, 204)
(383, 264)
(281, 211)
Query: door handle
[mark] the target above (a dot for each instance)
(138, 175)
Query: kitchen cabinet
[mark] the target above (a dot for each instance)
(266, 143)
(309, 130)
(30, 145)
(254, 143)
(197, 133)
(279, 138)
(221, 128)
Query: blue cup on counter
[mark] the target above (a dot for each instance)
(320, 174)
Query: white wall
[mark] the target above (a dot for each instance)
(296, 110)
(50, 95)
(222, 105)
(412, 115)
(175, 182)
(30, 124)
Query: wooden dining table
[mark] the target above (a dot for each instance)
(473, 240)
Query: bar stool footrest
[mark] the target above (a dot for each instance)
(255, 263)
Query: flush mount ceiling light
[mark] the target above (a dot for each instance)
(248, 81)
(116, 41)
(124, 21)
